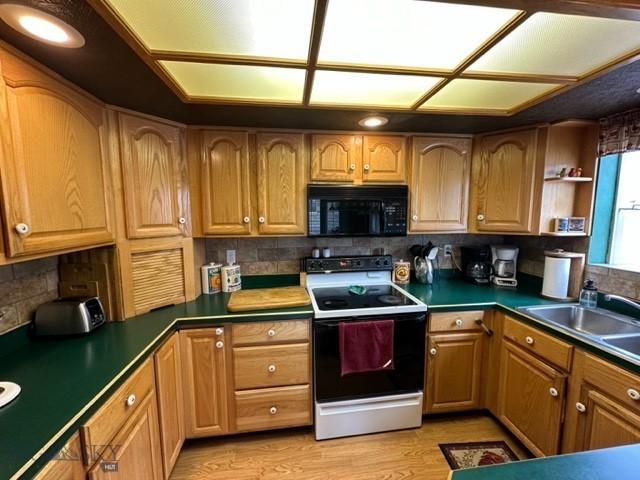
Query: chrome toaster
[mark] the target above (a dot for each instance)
(68, 316)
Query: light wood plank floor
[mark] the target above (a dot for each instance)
(294, 454)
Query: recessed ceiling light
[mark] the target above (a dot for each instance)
(41, 26)
(373, 121)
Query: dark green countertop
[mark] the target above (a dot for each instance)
(619, 463)
(64, 381)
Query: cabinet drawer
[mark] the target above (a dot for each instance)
(616, 382)
(273, 407)
(271, 366)
(551, 349)
(454, 321)
(263, 333)
(102, 427)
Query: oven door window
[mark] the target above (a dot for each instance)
(345, 217)
(407, 376)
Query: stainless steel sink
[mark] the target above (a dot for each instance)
(596, 322)
(629, 344)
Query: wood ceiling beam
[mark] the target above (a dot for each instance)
(319, 16)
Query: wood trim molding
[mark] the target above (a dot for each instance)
(319, 16)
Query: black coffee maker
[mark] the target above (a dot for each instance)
(476, 264)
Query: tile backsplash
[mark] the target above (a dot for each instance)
(23, 287)
(271, 255)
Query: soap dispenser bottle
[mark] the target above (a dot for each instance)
(589, 295)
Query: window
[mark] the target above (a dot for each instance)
(616, 232)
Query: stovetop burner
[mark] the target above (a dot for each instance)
(377, 296)
(335, 303)
(390, 299)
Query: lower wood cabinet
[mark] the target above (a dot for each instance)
(170, 401)
(67, 464)
(278, 407)
(531, 399)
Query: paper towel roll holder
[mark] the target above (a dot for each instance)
(576, 272)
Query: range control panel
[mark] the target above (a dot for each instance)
(363, 263)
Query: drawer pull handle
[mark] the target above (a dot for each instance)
(414, 218)
(529, 340)
(131, 400)
(246, 219)
(366, 167)
(633, 394)
(182, 220)
(273, 410)
(433, 352)
(480, 217)
(458, 322)
(580, 407)
(271, 368)
(219, 331)
(553, 392)
(219, 344)
(22, 228)
(271, 332)
(261, 220)
(352, 167)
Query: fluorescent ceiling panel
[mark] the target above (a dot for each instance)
(406, 33)
(466, 94)
(369, 89)
(254, 28)
(554, 44)
(238, 82)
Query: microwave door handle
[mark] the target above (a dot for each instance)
(383, 218)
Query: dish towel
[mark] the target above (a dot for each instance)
(366, 346)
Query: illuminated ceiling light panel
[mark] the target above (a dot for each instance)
(406, 33)
(554, 44)
(369, 89)
(466, 94)
(253, 28)
(238, 82)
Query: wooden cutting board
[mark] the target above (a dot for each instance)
(267, 298)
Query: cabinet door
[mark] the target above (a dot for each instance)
(335, 158)
(170, 401)
(505, 179)
(454, 365)
(281, 183)
(205, 381)
(152, 177)
(136, 448)
(383, 158)
(67, 465)
(54, 170)
(226, 201)
(531, 399)
(440, 170)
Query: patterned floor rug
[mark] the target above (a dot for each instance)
(476, 454)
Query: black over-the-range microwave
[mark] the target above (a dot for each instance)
(347, 210)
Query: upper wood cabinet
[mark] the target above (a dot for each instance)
(356, 158)
(154, 177)
(281, 183)
(439, 184)
(204, 368)
(226, 183)
(504, 174)
(55, 180)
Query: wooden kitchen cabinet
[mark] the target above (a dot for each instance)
(153, 177)
(454, 366)
(603, 406)
(168, 367)
(383, 159)
(226, 183)
(531, 399)
(439, 185)
(67, 465)
(205, 369)
(281, 183)
(505, 177)
(55, 179)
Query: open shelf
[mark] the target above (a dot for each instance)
(569, 179)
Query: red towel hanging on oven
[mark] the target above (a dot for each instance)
(366, 346)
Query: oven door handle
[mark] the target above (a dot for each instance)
(334, 323)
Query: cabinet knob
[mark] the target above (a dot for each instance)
(271, 332)
(22, 228)
(480, 217)
(261, 220)
(458, 322)
(529, 340)
(219, 344)
(414, 218)
(352, 167)
(131, 400)
(580, 407)
(246, 219)
(633, 394)
(182, 220)
(433, 352)
(271, 368)
(366, 167)
(553, 392)
(219, 331)
(273, 410)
